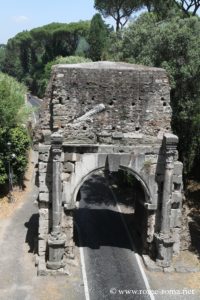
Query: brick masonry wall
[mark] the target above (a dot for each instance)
(136, 99)
(136, 116)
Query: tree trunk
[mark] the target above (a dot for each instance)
(118, 20)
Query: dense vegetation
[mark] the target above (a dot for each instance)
(13, 113)
(97, 39)
(173, 44)
(167, 35)
(29, 51)
(119, 10)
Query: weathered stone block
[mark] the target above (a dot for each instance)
(43, 232)
(105, 149)
(171, 139)
(104, 134)
(42, 149)
(60, 75)
(45, 197)
(176, 197)
(133, 135)
(65, 176)
(117, 135)
(151, 158)
(42, 246)
(47, 136)
(45, 187)
(42, 271)
(177, 242)
(101, 160)
(71, 157)
(178, 168)
(45, 177)
(177, 179)
(175, 218)
(43, 228)
(44, 157)
(67, 222)
(125, 159)
(113, 162)
(44, 213)
(42, 205)
(43, 167)
(68, 167)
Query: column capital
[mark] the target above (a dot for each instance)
(170, 141)
(170, 144)
(56, 145)
(56, 139)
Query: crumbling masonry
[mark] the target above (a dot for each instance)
(107, 115)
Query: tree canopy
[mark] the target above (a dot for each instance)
(119, 10)
(188, 6)
(173, 44)
(162, 8)
(29, 51)
(97, 37)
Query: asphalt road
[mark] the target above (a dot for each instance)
(110, 262)
(35, 103)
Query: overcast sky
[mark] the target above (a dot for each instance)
(19, 15)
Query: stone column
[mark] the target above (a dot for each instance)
(164, 239)
(56, 241)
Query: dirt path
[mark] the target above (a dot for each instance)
(18, 274)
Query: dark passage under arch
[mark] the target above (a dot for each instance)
(107, 203)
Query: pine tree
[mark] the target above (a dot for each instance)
(97, 37)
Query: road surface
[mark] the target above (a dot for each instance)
(35, 103)
(111, 267)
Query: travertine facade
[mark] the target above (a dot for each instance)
(115, 116)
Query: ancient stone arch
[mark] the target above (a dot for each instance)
(113, 116)
(147, 193)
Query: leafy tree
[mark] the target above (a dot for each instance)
(174, 45)
(19, 140)
(119, 10)
(82, 47)
(2, 54)
(29, 51)
(12, 108)
(97, 37)
(148, 4)
(165, 8)
(12, 96)
(113, 51)
(189, 7)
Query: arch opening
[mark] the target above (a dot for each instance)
(106, 202)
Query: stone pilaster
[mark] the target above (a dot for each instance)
(56, 241)
(164, 239)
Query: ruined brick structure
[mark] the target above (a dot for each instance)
(115, 116)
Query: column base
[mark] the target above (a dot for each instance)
(56, 244)
(164, 244)
(55, 265)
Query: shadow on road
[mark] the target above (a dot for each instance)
(98, 222)
(32, 232)
(100, 227)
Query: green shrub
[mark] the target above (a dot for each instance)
(13, 114)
